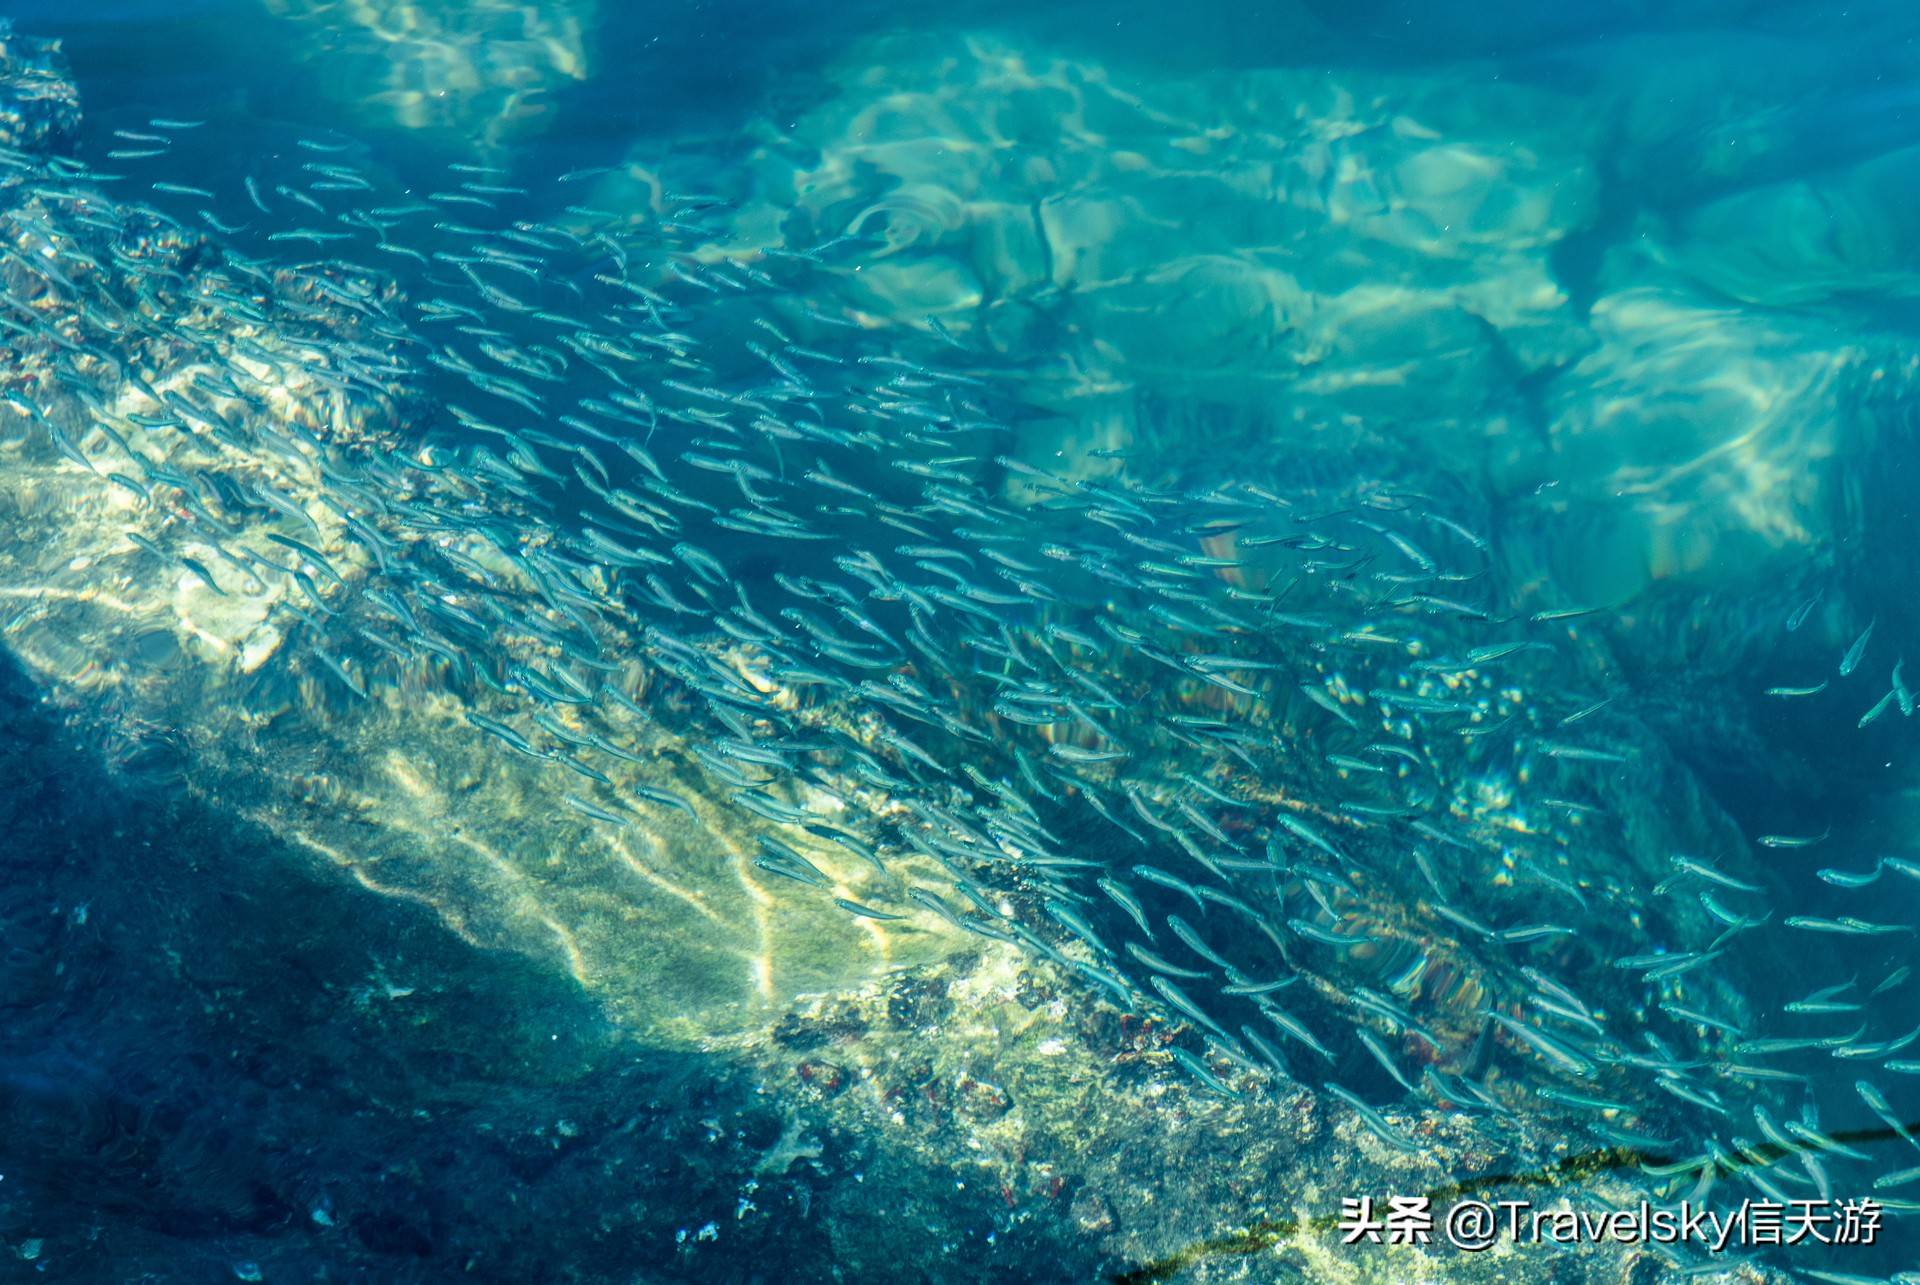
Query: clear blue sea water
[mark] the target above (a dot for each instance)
(768, 641)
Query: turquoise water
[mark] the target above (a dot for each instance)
(756, 643)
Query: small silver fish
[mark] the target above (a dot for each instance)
(1792, 840)
(1851, 661)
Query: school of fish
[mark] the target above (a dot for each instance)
(1281, 755)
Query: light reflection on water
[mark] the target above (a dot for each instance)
(1638, 287)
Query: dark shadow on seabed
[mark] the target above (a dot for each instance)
(216, 1063)
(212, 1063)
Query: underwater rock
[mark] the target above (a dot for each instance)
(1700, 437)
(1828, 237)
(1138, 1174)
(478, 69)
(1423, 266)
(661, 909)
(1091, 1213)
(1172, 794)
(42, 105)
(1749, 104)
(1276, 242)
